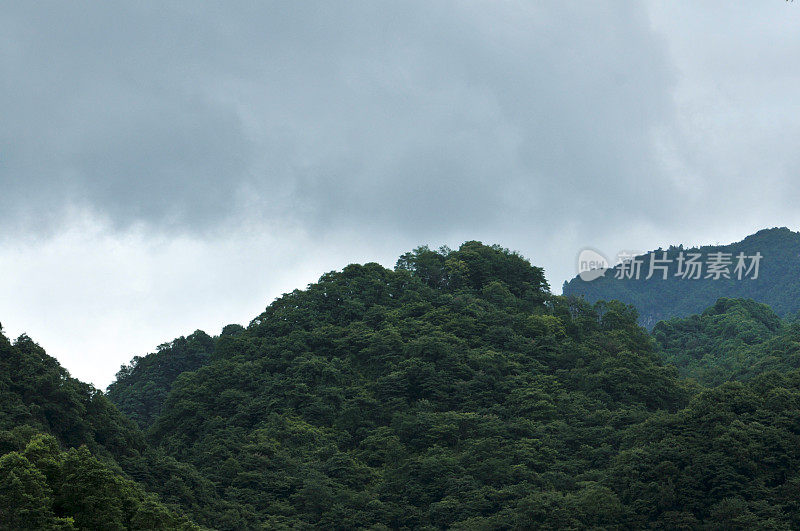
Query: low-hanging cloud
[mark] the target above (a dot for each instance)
(167, 166)
(422, 116)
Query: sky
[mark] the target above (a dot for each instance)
(167, 167)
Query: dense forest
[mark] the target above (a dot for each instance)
(454, 391)
(777, 283)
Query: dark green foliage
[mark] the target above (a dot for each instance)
(25, 497)
(42, 487)
(37, 396)
(777, 285)
(141, 387)
(36, 391)
(733, 340)
(730, 459)
(452, 392)
(475, 266)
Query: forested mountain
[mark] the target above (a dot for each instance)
(451, 392)
(735, 339)
(681, 294)
(141, 387)
(61, 443)
(444, 393)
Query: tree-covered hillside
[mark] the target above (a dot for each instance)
(681, 294)
(455, 391)
(451, 392)
(141, 387)
(444, 393)
(61, 445)
(735, 339)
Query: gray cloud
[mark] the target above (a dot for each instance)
(171, 166)
(419, 118)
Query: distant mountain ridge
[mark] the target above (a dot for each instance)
(656, 299)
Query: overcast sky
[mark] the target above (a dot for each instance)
(165, 168)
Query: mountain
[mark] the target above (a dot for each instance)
(61, 445)
(454, 391)
(680, 294)
(141, 388)
(735, 339)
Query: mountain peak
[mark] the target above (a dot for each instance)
(773, 280)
